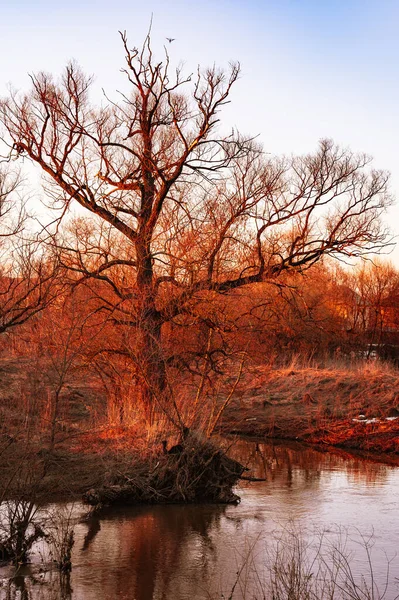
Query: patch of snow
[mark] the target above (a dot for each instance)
(362, 419)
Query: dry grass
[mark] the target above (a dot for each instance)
(320, 404)
(299, 400)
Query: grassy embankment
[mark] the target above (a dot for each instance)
(348, 405)
(317, 405)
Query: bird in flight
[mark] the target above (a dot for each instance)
(170, 40)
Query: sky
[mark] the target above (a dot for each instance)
(310, 68)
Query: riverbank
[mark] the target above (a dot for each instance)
(120, 465)
(352, 406)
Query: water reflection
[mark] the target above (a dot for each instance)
(280, 461)
(181, 552)
(37, 586)
(151, 544)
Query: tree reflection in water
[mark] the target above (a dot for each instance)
(283, 459)
(152, 544)
(37, 586)
(180, 552)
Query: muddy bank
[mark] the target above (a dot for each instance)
(107, 467)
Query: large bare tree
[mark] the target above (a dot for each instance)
(181, 212)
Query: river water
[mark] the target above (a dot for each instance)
(195, 552)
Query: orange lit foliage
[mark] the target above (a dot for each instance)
(312, 314)
(184, 225)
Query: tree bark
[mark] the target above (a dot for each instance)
(150, 361)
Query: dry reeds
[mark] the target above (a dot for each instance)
(318, 565)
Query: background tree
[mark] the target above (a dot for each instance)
(368, 303)
(27, 272)
(180, 212)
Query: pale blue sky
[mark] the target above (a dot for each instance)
(310, 68)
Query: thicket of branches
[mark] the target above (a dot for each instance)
(193, 245)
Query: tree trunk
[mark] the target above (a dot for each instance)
(151, 365)
(150, 361)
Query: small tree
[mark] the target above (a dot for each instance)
(182, 212)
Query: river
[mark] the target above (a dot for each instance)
(195, 552)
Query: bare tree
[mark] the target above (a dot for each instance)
(27, 273)
(181, 212)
